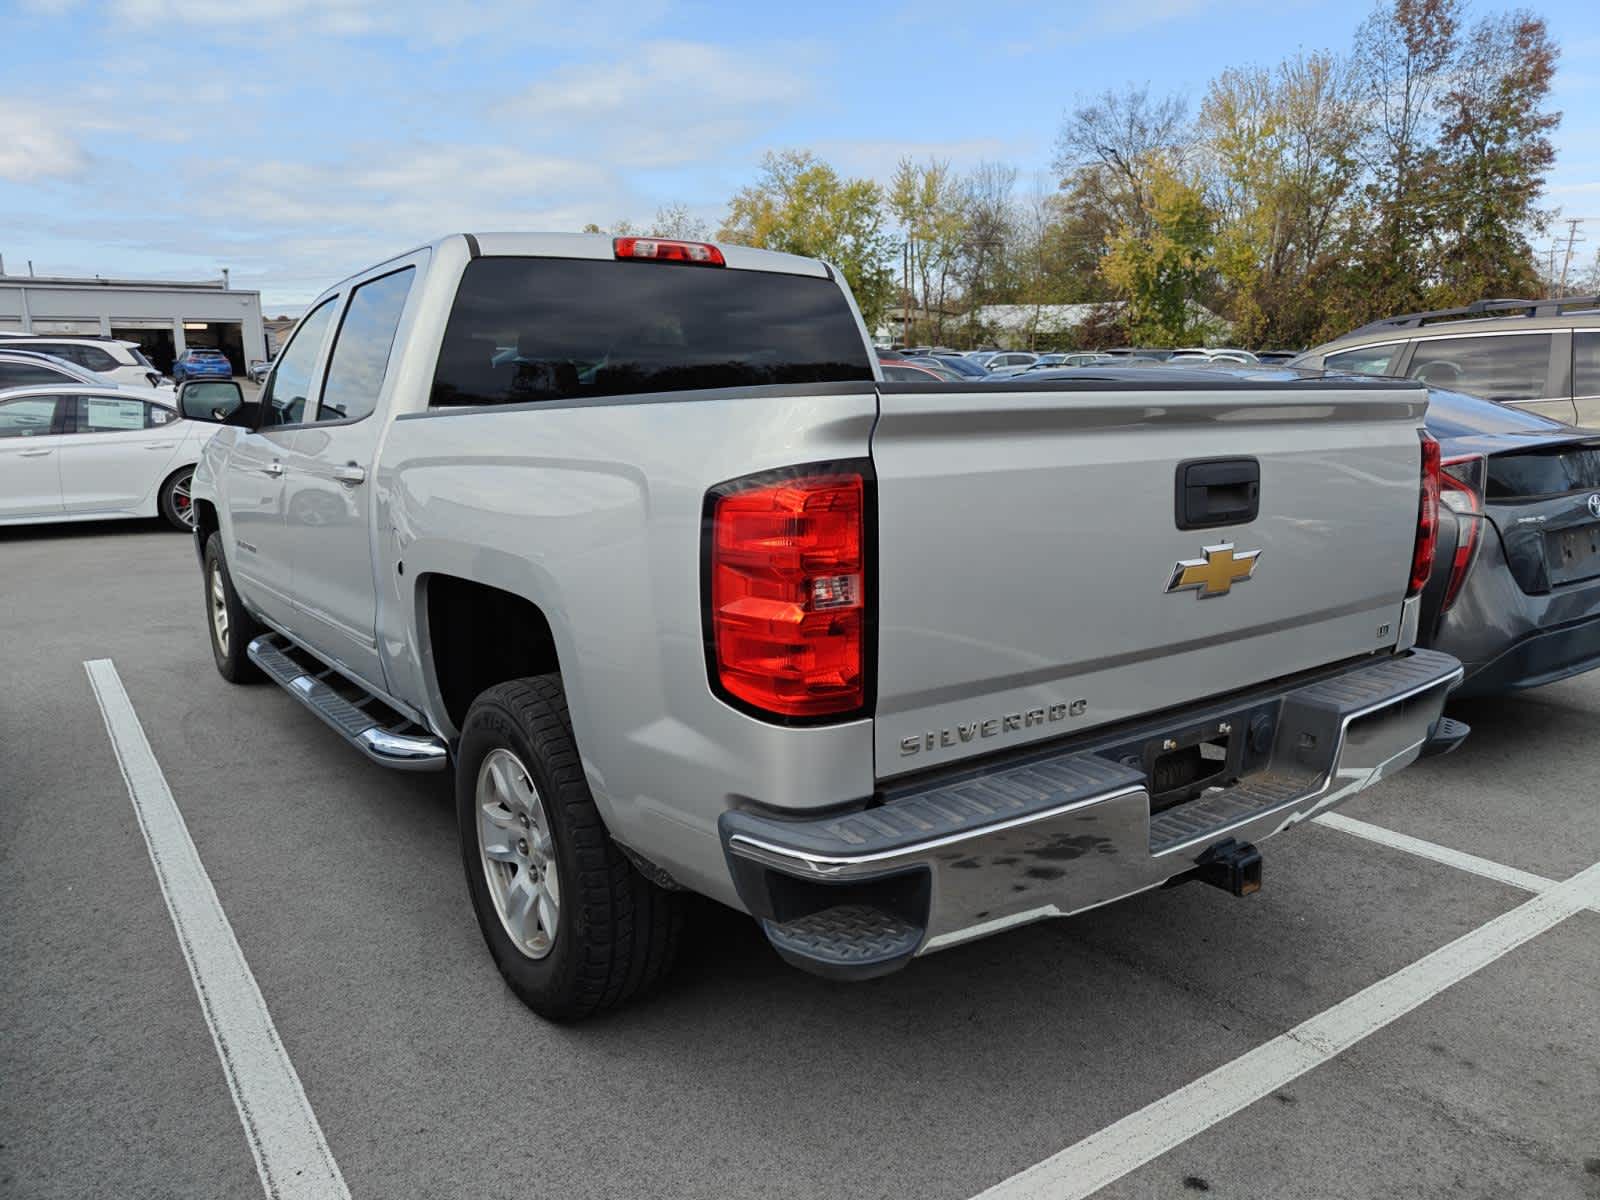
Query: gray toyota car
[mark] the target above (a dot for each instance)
(1515, 589)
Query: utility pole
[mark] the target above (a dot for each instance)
(1566, 262)
(905, 293)
(1550, 275)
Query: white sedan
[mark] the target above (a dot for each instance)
(82, 453)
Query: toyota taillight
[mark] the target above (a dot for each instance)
(786, 592)
(1461, 491)
(1427, 518)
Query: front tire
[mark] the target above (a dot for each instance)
(230, 626)
(571, 923)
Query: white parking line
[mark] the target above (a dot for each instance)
(292, 1156)
(1106, 1156)
(1526, 880)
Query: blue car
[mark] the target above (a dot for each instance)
(201, 364)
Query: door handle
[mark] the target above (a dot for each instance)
(33, 453)
(159, 445)
(274, 469)
(350, 473)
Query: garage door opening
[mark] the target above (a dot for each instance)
(156, 344)
(227, 336)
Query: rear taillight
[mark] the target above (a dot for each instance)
(1461, 491)
(786, 591)
(702, 254)
(1427, 518)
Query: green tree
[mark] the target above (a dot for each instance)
(1403, 59)
(1162, 271)
(801, 205)
(1494, 150)
(930, 204)
(1281, 145)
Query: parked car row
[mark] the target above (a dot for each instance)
(111, 360)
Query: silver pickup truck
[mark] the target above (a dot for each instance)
(631, 535)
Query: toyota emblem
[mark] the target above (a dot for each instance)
(1594, 505)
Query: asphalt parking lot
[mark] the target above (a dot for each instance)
(1473, 1070)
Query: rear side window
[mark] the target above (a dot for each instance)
(28, 417)
(108, 414)
(1585, 364)
(22, 374)
(1367, 360)
(530, 329)
(1504, 367)
(361, 352)
(91, 358)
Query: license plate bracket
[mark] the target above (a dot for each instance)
(1572, 554)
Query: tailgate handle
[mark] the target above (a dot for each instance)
(1218, 491)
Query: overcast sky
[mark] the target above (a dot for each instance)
(295, 141)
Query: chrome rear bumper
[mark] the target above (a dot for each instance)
(1051, 834)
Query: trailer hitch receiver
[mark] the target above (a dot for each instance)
(1231, 865)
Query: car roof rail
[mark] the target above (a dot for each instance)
(1554, 306)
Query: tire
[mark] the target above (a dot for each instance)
(230, 627)
(615, 933)
(174, 501)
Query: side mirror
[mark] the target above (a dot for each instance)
(217, 401)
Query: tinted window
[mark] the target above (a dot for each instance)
(361, 352)
(901, 373)
(1585, 364)
(91, 358)
(1368, 360)
(527, 329)
(1451, 415)
(110, 414)
(1502, 367)
(283, 401)
(28, 417)
(21, 374)
(1546, 471)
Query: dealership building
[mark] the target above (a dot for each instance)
(163, 317)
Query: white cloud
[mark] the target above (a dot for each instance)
(36, 145)
(418, 189)
(661, 103)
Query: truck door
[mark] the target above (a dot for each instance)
(328, 509)
(254, 495)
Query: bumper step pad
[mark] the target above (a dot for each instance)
(1199, 818)
(383, 735)
(854, 941)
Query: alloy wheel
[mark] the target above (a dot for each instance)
(518, 853)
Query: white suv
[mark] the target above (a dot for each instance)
(120, 361)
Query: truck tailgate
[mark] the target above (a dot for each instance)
(1028, 538)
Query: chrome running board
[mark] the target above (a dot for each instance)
(384, 736)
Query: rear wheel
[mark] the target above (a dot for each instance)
(571, 923)
(177, 505)
(231, 626)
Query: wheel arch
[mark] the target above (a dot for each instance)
(473, 635)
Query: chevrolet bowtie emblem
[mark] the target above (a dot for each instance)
(1216, 573)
